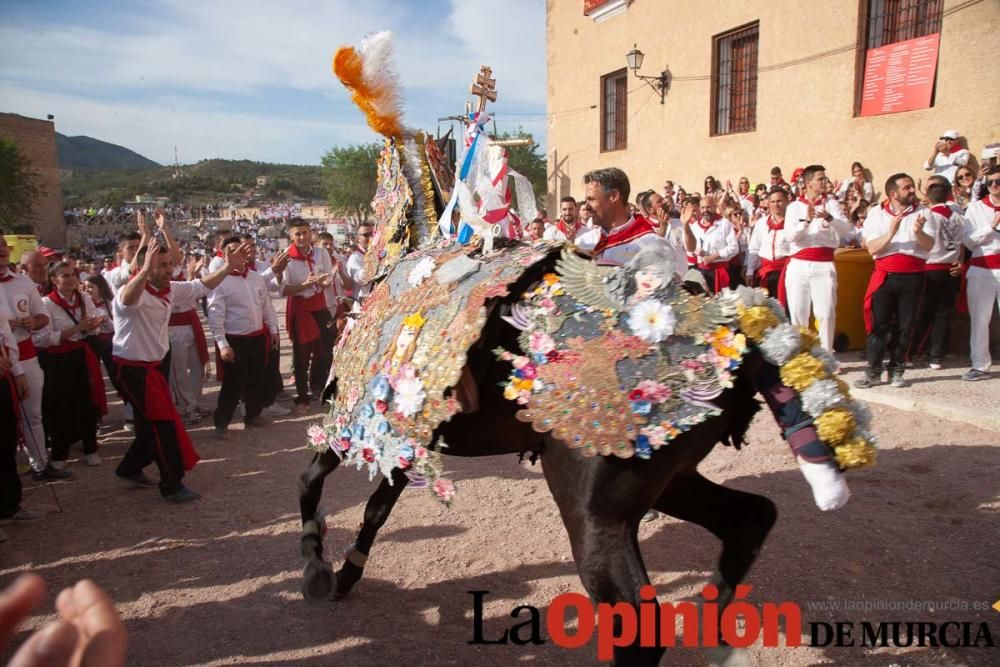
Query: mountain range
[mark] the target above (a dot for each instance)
(87, 153)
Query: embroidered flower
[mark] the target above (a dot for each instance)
(654, 391)
(420, 272)
(343, 444)
(540, 343)
(410, 396)
(381, 406)
(692, 365)
(420, 452)
(341, 421)
(445, 489)
(368, 454)
(317, 436)
(403, 463)
(367, 411)
(528, 372)
(550, 278)
(652, 320)
(352, 398)
(380, 387)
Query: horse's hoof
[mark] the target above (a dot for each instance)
(317, 580)
(727, 656)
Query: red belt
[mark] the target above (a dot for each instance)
(896, 263)
(938, 267)
(190, 318)
(299, 320)
(816, 254)
(986, 261)
(769, 266)
(98, 397)
(160, 407)
(26, 349)
(721, 270)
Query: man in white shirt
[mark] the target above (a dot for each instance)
(943, 277)
(307, 319)
(245, 328)
(768, 249)
(711, 240)
(617, 235)
(982, 234)
(814, 225)
(27, 315)
(13, 389)
(568, 226)
(140, 346)
(669, 229)
(899, 236)
(947, 157)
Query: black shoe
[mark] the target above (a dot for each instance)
(221, 433)
(50, 474)
(257, 422)
(138, 479)
(868, 381)
(181, 495)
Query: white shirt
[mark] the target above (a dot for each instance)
(947, 165)
(7, 340)
(553, 233)
(979, 233)
(108, 325)
(23, 299)
(868, 193)
(879, 222)
(141, 329)
(719, 239)
(298, 271)
(771, 244)
(948, 239)
(240, 306)
(623, 254)
(355, 268)
(815, 233)
(60, 320)
(118, 276)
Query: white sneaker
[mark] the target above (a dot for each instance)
(275, 410)
(827, 482)
(92, 459)
(934, 366)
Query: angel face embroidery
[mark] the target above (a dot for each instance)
(402, 348)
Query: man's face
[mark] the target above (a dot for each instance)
(536, 229)
(656, 206)
(328, 245)
(907, 193)
(65, 280)
(706, 208)
(568, 211)
(163, 267)
(252, 252)
(300, 236)
(776, 204)
(602, 205)
(37, 268)
(129, 249)
(775, 178)
(365, 237)
(107, 263)
(817, 185)
(4, 253)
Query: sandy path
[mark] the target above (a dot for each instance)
(217, 582)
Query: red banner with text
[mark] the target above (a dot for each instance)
(900, 76)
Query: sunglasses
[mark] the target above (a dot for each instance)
(993, 182)
(965, 176)
(947, 139)
(365, 235)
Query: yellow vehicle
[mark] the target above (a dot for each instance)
(19, 243)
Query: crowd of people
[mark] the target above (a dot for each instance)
(138, 316)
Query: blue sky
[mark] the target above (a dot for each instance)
(252, 80)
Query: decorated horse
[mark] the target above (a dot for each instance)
(621, 379)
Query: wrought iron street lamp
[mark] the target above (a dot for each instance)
(660, 84)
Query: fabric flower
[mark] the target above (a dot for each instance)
(420, 272)
(445, 489)
(541, 343)
(341, 420)
(410, 396)
(636, 395)
(381, 406)
(343, 444)
(380, 387)
(528, 372)
(317, 436)
(654, 391)
(403, 463)
(420, 452)
(652, 320)
(368, 454)
(352, 398)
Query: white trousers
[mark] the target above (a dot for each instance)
(187, 374)
(31, 416)
(813, 284)
(983, 291)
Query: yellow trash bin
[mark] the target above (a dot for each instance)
(854, 268)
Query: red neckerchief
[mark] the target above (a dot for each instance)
(636, 227)
(70, 308)
(942, 209)
(161, 294)
(887, 207)
(706, 225)
(561, 226)
(802, 198)
(988, 200)
(774, 226)
(218, 253)
(7, 275)
(295, 253)
(954, 149)
(241, 274)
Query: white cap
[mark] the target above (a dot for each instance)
(950, 134)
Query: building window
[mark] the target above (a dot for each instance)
(734, 80)
(614, 111)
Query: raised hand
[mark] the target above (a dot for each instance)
(140, 221)
(152, 250)
(160, 217)
(687, 213)
(279, 261)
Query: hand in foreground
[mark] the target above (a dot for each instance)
(89, 632)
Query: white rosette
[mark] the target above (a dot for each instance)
(821, 396)
(781, 343)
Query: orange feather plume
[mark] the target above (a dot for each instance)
(376, 96)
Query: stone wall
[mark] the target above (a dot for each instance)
(37, 141)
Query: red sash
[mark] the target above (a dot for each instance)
(639, 226)
(190, 318)
(895, 263)
(816, 254)
(937, 267)
(26, 349)
(299, 320)
(159, 406)
(768, 266)
(721, 271)
(986, 261)
(98, 397)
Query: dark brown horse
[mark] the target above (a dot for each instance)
(601, 499)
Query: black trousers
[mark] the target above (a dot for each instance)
(311, 361)
(155, 441)
(274, 383)
(894, 309)
(10, 482)
(245, 377)
(65, 394)
(933, 318)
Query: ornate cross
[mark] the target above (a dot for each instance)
(484, 87)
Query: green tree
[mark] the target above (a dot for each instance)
(18, 185)
(349, 177)
(527, 161)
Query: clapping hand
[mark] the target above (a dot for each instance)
(160, 217)
(140, 221)
(918, 224)
(279, 261)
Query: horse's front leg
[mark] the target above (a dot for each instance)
(317, 578)
(377, 512)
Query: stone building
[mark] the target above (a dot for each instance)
(37, 140)
(757, 84)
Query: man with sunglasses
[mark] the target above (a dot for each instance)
(947, 157)
(982, 234)
(356, 261)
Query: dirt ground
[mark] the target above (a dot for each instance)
(217, 582)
